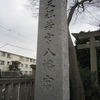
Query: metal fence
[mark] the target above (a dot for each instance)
(17, 89)
(9, 74)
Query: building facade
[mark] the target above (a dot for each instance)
(6, 59)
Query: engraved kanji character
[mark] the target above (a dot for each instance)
(49, 14)
(48, 64)
(49, 25)
(48, 81)
(48, 50)
(48, 37)
(49, 4)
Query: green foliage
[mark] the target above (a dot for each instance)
(11, 67)
(91, 86)
(14, 66)
(90, 80)
(83, 57)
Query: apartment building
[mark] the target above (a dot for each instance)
(6, 58)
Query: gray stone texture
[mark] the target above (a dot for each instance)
(52, 70)
(77, 90)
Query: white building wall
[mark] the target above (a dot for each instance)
(25, 61)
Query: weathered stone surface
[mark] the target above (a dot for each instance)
(52, 70)
(77, 90)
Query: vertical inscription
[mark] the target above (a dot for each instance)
(48, 64)
(52, 72)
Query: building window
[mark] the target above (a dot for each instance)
(8, 63)
(26, 72)
(31, 60)
(8, 55)
(1, 62)
(21, 58)
(22, 65)
(3, 54)
(26, 65)
(27, 59)
(34, 60)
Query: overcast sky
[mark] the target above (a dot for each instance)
(19, 29)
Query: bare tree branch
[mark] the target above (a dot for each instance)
(33, 6)
(74, 8)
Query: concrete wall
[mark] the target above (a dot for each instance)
(8, 57)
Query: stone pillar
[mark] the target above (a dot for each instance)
(93, 55)
(52, 71)
(33, 70)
